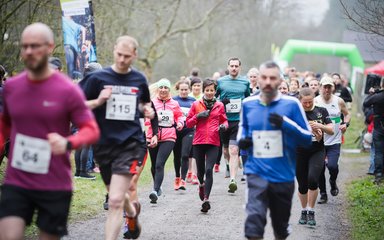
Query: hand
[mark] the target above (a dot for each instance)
(245, 143)
(315, 126)
(343, 128)
(318, 134)
(203, 114)
(104, 95)
(58, 143)
(148, 111)
(222, 127)
(276, 120)
(225, 101)
(153, 142)
(179, 126)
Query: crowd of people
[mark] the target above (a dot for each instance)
(276, 125)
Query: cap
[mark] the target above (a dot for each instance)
(326, 81)
(91, 67)
(164, 83)
(55, 63)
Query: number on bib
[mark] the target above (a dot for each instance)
(121, 107)
(267, 144)
(234, 106)
(165, 118)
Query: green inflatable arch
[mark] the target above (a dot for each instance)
(350, 51)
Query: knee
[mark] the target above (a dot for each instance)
(116, 202)
(303, 189)
(313, 183)
(233, 150)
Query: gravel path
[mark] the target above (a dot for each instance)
(177, 214)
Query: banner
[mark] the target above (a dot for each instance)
(79, 35)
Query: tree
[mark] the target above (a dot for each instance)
(366, 16)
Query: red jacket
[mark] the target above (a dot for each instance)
(207, 129)
(167, 130)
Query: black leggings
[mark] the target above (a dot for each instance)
(308, 169)
(206, 156)
(81, 159)
(181, 153)
(159, 156)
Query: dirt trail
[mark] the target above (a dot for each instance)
(177, 214)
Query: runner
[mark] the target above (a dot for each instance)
(183, 146)
(208, 115)
(232, 89)
(252, 76)
(170, 117)
(310, 160)
(284, 87)
(38, 175)
(118, 94)
(335, 107)
(270, 167)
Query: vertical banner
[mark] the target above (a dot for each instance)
(79, 35)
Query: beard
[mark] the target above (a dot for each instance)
(38, 66)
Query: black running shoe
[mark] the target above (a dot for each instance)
(303, 217)
(205, 206)
(105, 204)
(311, 218)
(323, 198)
(85, 175)
(378, 178)
(334, 188)
(201, 192)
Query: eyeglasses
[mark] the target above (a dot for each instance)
(33, 46)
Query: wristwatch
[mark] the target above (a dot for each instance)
(69, 145)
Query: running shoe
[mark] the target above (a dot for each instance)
(160, 192)
(311, 218)
(153, 196)
(227, 174)
(205, 206)
(232, 186)
(195, 181)
(216, 168)
(105, 204)
(201, 192)
(334, 188)
(323, 198)
(243, 178)
(183, 185)
(378, 178)
(85, 176)
(304, 217)
(132, 223)
(189, 177)
(176, 184)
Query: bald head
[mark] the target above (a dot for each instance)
(40, 31)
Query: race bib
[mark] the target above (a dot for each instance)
(185, 111)
(267, 144)
(165, 118)
(121, 107)
(31, 154)
(233, 106)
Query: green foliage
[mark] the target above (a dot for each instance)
(366, 209)
(354, 130)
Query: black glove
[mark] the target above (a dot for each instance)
(203, 114)
(225, 101)
(276, 120)
(245, 143)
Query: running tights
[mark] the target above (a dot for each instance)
(159, 156)
(309, 166)
(181, 152)
(206, 156)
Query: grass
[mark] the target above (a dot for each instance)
(354, 130)
(366, 209)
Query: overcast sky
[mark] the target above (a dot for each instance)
(315, 9)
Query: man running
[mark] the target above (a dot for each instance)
(232, 89)
(335, 107)
(272, 126)
(118, 151)
(39, 105)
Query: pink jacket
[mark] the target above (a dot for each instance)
(207, 129)
(169, 114)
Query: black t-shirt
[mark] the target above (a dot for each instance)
(126, 90)
(343, 93)
(377, 101)
(319, 115)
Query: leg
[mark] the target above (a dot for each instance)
(185, 153)
(117, 202)
(165, 149)
(46, 236)
(378, 139)
(302, 163)
(211, 156)
(199, 155)
(83, 159)
(280, 203)
(333, 154)
(314, 171)
(177, 155)
(12, 227)
(256, 207)
(153, 155)
(233, 160)
(77, 162)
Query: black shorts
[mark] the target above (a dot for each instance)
(118, 158)
(52, 207)
(228, 137)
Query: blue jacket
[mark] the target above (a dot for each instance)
(294, 132)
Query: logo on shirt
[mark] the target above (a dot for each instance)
(48, 103)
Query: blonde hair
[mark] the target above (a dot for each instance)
(127, 40)
(153, 90)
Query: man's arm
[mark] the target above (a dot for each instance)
(347, 115)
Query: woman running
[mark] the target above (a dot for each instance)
(208, 115)
(169, 116)
(310, 161)
(183, 145)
